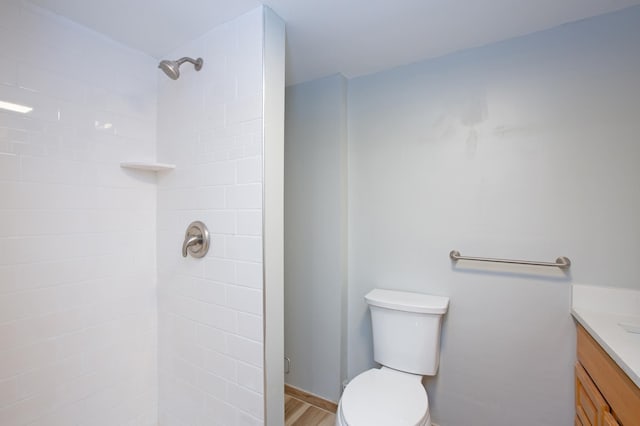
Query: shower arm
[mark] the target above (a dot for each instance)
(196, 62)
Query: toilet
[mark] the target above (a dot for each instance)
(406, 342)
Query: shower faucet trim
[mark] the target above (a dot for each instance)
(196, 240)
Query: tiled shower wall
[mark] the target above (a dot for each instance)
(210, 309)
(78, 314)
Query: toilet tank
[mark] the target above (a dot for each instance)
(406, 329)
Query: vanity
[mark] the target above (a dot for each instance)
(607, 371)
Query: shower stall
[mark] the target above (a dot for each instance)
(102, 320)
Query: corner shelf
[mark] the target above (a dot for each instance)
(148, 166)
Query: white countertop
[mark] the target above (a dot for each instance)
(601, 310)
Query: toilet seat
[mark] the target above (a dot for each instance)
(383, 397)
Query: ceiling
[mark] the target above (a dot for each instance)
(353, 37)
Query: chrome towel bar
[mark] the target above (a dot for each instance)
(561, 262)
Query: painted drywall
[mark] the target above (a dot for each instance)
(523, 149)
(210, 125)
(315, 235)
(78, 317)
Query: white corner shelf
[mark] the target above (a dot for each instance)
(148, 166)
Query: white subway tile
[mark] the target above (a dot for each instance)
(244, 196)
(218, 412)
(25, 385)
(181, 329)
(31, 330)
(42, 169)
(10, 16)
(221, 365)
(212, 338)
(210, 198)
(213, 385)
(219, 173)
(44, 108)
(214, 141)
(250, 377)
(188, 308)
(9, 166)
(249, 274)
(247, 248)
(246, 400)
(17, 360)
(215, 110)
(244, 109)
(243, 299)
(220, 221)
(28, 410)
(250, 170)
(218, 246)
(189, 353)
(220, 270)
(249, 222)
(211, 292)
(79, 312)
(245, 350)
(86, 288)
(219, 42)
(245, 419)
(218, 317)
(10, 120)
(14, 138)
(185, 371)
(51, 84)
(250, 326)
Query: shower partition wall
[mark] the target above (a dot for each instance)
(211, 310)
(102, 321)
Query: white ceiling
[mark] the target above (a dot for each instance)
(324, 37)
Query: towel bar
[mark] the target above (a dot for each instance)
(561, 262)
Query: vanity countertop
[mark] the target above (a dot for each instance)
(607, 314)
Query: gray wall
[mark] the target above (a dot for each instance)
(523, 149)
(315, 235)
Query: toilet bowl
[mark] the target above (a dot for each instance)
(384, 397)
(406, 343)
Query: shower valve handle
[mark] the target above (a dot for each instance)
(190, 241)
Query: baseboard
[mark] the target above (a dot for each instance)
(310, 398)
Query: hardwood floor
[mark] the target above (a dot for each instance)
(299, 413)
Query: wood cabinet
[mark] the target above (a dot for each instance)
(590, 404)
(608, 420)
(605, 396)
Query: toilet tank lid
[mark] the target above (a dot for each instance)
(407, 301)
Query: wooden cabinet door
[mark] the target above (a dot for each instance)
(608, 420)
(590, 405)
(623, 395)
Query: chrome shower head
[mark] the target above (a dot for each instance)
(172, 68)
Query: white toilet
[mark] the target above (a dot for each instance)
(406, 341)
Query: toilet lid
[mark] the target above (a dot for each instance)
(382, 398)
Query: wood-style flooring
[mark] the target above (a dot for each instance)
(299, 413)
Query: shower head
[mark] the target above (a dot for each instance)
(172, 68)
